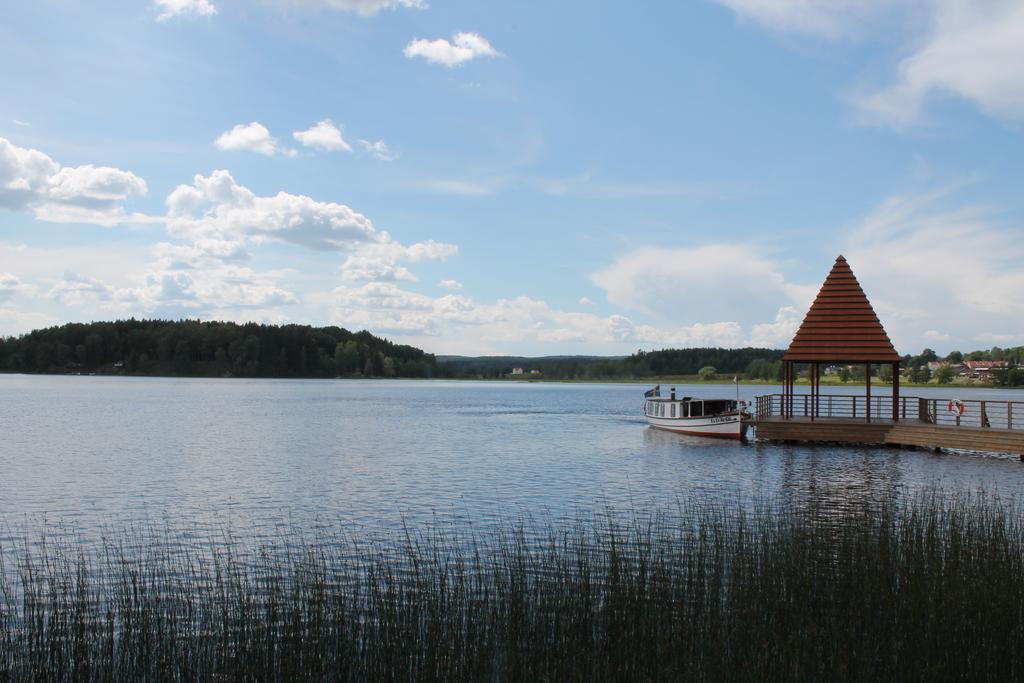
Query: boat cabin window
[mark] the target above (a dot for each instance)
(716, 407)
(673, 410)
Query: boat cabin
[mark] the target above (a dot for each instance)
(687, 407)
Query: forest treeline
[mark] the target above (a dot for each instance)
(215, 349)
(640, 365)
(225, 349)
(219, 349)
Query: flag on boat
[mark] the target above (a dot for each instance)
(653, 393)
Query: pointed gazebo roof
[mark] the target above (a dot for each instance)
(841, 325)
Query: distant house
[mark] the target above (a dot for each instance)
(517, 371)
(983, 368)
(535, 372)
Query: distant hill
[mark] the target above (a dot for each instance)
(520, 360)
(640, 365)
(212, 349)
(219, 349)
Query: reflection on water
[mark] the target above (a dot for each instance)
(256, 456)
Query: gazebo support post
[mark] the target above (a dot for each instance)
(787, 394)
(867, 383)
(814, 390)
(817, 389)
(895, 392)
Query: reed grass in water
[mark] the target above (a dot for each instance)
(930, 589)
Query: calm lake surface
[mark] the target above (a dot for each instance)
(90, 454)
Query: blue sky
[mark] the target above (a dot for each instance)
(528, 177)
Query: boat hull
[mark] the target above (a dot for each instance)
(719, 427)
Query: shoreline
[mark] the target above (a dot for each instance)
(678, 380)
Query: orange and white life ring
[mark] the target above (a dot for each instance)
(956, 407)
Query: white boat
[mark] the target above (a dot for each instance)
(714, 417)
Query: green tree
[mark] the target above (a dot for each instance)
(182, 358)
(346, 357)
(944, 375)
(920, 374)
(220, 360)
(844, 374)
(707, 373)
(93, 349)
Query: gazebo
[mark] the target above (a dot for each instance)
(840, 327)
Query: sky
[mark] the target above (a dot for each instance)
(528, 178)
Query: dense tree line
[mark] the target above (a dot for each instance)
(642, 364)
(193, 348)
(219, 349)
(1011, 376)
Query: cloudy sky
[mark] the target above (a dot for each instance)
(515, 177)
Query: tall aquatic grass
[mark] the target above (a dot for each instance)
(929, 589)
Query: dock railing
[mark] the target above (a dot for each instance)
(938, 411)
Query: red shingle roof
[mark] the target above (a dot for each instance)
(841, 325)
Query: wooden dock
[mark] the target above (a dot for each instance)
(982, 426)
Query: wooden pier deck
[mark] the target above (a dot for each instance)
(984, 426)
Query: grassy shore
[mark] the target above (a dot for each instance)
(855, 386)
(927, 590)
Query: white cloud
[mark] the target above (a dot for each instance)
(935, 335)
(220, 218)
(90, 184)
(31, 180)
(970, 50)
(78, 290)
(463, 47)
(974, 51)
(716, 281)
(450, 285)
(927, 268)
(778, 333)
(10, 286)
(225, 287)
(991, 338)
(18, 122)
(827, 18)
(248, 137)
(14, 321)
(380, 262)
(184, 8)
(201, 254)
(365, 8)
(379, 150)
(459, 323)
(324, 135)
(216, 207)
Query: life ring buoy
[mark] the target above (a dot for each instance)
(956, 406)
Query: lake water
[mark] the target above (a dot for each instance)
(89, 454)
